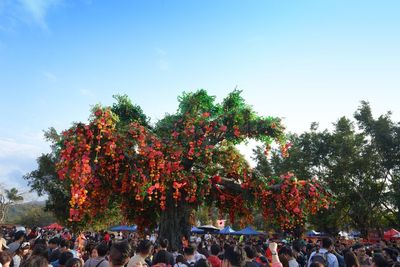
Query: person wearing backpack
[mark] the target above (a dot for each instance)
(323, 255)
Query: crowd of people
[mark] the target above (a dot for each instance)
(40, 248)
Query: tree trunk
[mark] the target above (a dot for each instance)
(174, 223)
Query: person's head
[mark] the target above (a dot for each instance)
(5, 258)
(164, 243)
(35, 261)
(180, 258)
(379, 261)
(286, 252)
(316, 264)
(284, 260)
(202, 263)
(233, 256)
(119, 253)
(327, 243)
(188, 252)
(40, 250)
(54, 242)
(64, 257)
(351, 259)
(102, 250)
(250, 252)
(91, 250)
(390, 254)
(297, 245)
(144, 248)
(23, 249)
(161, 257)
(3, 244)
(73, 262)
(359, 250)
(19, 236)
(215, 249)
(65, 245)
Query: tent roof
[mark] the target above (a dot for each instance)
(226, 231)
(127, 228)
(248, 231)
(196, 230)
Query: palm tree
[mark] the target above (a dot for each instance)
(7, 199)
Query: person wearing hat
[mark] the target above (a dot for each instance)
(3, 244)
(21, 254)
(19, 237)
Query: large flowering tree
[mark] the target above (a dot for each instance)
(159, 174)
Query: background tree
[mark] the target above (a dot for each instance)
(8, 197)
(358, 161)
(161, 173)
(30, 214)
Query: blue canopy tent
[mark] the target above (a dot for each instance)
(126, 228)
(227, 231)
(248, 231)
(196, 230)
(312, 233)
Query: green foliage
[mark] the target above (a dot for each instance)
(45, 182)
(358, 161)
(30, 214)
(128, 112)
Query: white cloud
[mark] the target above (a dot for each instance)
(31, 12)
(10, 148)
(36, 10)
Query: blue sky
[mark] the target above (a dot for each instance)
(302, 60)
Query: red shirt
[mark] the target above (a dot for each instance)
(107, 237)
(214, 261)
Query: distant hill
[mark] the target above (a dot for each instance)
(29, 214)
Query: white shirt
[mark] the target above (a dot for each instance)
(293, 263)
(137, 259)
(332, 260)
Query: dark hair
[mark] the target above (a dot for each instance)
(297, 245)
(144, 246)
(215, 249)
(379, 260)
(102, 249)
(19, 234)
(65, 243)
(357, 246)
(234, 255)
(73, 262)
(55, 241)
(286, 251)
(188, 250)
(180, 258)
(327, 242)
(5, 257)
(160, 257)
(283, 260)
(164, 243)
(316, 264)
(40, 241)
(350, 259)
(40, 250)
(392, 252)
(119, 253)
(35, 261)
(250, 252)
(64, 257)
(202, 263)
